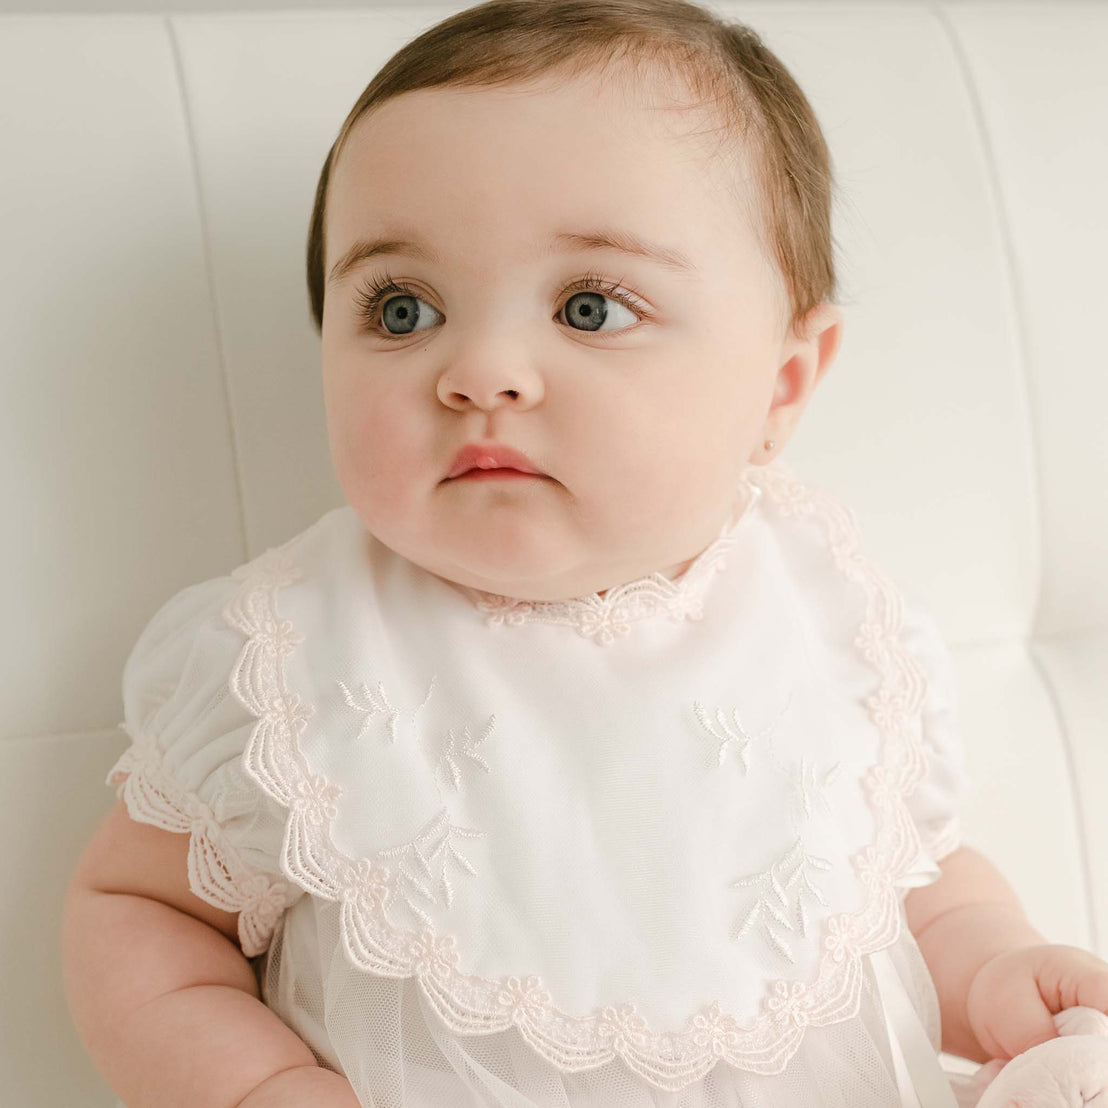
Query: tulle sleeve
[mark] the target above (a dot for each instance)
(182, 770)
(935, 804)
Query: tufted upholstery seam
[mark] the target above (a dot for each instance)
(1016, 292)
(209, 275)
(1078, 805)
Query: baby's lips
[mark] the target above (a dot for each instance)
(491, 455)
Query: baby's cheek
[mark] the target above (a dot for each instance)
(378, 445)
(389, 471)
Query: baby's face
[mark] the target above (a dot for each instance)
(639, 415)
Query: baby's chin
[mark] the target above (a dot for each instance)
(521, 552)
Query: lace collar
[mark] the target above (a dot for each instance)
(603, 618)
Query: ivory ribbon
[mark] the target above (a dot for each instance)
(920, 1078)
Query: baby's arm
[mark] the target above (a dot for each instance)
(970, 914)
(165, 1002)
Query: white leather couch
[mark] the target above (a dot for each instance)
(162, 416)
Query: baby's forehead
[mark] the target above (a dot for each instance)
(652, 109)
(548, 156)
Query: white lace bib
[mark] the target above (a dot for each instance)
(672, 847)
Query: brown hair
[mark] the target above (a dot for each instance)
(725, 63)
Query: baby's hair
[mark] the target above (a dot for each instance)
(725, 63)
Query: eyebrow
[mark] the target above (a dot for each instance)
(604, 238)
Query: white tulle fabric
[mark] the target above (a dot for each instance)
(622, 850)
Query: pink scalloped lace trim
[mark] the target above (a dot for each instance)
(217, 873)
(470, 1004)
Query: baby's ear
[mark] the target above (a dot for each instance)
(806, 355)
(820, 333)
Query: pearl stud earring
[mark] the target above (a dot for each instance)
(769, 444)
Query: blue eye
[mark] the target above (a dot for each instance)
(590, 309)
(403, 311)
(399, 307)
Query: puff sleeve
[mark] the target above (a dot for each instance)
(182, 771)
(935, 803)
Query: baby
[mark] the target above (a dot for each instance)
(582, 756)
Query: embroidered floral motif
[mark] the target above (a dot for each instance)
(606, 618)
(715, 1032)
(884, 785)
(888, 709)
(871, 865)
(734, 734)
(774, 901)
(870, 640)
(469, 745)
(263, 898)
(294, 711)
(368, 882)
(789, 1003)
(810, 785)
(373, 705)
(467, 1003)
(842, 937)
(622, 1027)
(524, 1000)
(432, 841)
(378, 704)
(315, 798)
(433, 955)
(280, 636)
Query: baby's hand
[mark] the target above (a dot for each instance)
(1014, 995)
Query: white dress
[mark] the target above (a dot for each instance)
(643, 849)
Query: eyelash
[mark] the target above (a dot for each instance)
(371, 295)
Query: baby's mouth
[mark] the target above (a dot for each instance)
(478, 474)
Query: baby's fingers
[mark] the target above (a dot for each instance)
(1071, 977)
(1006, 1009)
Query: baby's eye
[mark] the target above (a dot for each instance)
(400, 314)
(588, 309)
